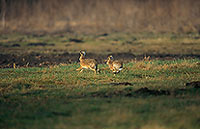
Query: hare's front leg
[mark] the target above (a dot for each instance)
(81, 71)
(79, 68)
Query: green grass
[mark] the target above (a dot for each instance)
(60, 97)
(136, 43)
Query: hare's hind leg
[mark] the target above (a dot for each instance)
(94, 69)
(114, 71)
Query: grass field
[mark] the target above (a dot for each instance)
(147, 94)
(136, 43)
(157, 41)
(40, 87)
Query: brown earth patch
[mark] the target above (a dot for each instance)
(39, 59)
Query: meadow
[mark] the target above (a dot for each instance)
(146, 43)
(158, 42)
(160, 92)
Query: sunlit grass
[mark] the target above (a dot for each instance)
(140, 71)
(60, 97)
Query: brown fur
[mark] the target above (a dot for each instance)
(87, 63)
(114, 65)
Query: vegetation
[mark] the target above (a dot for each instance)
(91, 16)
(106, 43)
(158, 42)
(160, 91)
(146, 94)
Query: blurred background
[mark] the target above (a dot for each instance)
(49, 32)
(89, 16)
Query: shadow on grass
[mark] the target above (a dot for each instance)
(145, 92)
(127, 91)
(51, 103)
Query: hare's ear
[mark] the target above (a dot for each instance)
(84, 53)
(111, 57)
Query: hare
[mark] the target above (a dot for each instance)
(114, 65)
(87, 63)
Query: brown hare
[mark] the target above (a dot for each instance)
(87, 63)
(114, 65)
